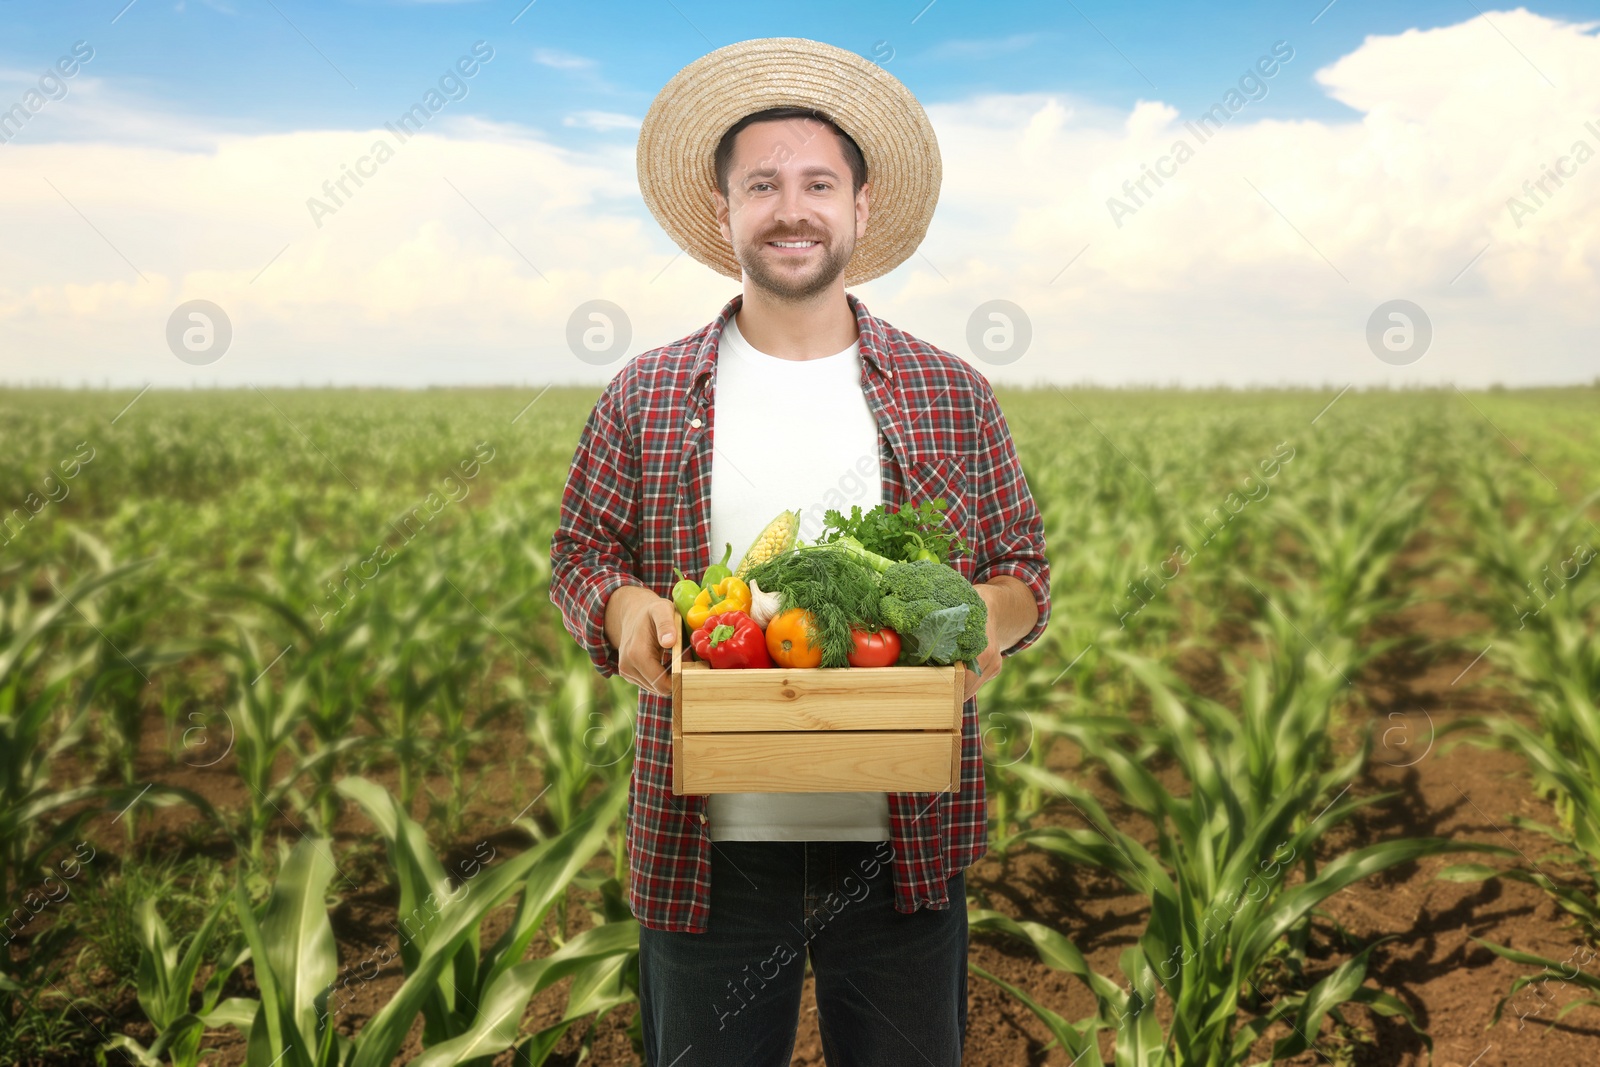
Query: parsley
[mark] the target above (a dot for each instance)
(920, 532)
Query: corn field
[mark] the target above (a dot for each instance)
(299, 766)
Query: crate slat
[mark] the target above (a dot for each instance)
(877, 698)
(812, 762)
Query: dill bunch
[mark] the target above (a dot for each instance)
(836, 587)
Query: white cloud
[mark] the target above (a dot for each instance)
(551, 57)
(97, 110)
(604, 121)
(411, 281)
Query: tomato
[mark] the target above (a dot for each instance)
(879, 649)
(789, 640)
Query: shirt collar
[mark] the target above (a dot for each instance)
(874, 349)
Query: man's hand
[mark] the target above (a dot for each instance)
(640, 626)
(1012, 613)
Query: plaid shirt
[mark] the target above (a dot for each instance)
(638, 502)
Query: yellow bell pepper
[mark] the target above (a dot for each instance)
(730, 594)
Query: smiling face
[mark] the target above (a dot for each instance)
(790, 215)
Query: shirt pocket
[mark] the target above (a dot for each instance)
(945, 476)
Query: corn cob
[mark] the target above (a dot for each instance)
(778, 537)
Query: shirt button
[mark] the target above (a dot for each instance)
(696, 423)
(702, 818)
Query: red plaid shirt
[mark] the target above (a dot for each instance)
(638, 503)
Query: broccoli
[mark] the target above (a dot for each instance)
(938, 614)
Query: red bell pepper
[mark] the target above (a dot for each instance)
(731, 639)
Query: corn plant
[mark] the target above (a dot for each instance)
(462, 715)
(1546, 637)
(1021, 713)
(165, 986)
(1546, 619)
(420, 674)
(467, 978)
(579, 733)
(1139, 1040)
(471, 1006)
(1577, 888)
(437, 638)
(1350, 538)
(121, 661)
(1553, 655)
(1220, 906)
(1109, 596)
(329, 683)
(266, 719)
(44, 656)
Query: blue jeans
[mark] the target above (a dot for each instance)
(891, 988)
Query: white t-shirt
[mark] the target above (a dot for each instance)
(790, 434)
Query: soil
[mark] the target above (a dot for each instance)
(1432, 959)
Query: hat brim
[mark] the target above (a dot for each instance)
(679, 137)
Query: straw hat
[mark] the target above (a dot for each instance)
(678, 143)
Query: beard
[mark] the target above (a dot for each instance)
(795, 281)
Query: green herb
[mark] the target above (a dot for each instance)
(911, 533)
(836, 587)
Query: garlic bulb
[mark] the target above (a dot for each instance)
(763, 606)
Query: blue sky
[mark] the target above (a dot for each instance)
(1404, 153)
(284, 65)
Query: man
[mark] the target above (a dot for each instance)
(763, 159)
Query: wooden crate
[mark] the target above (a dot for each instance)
(815, 730)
